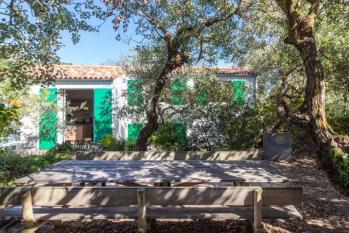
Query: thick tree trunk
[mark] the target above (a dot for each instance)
(311, 115)
(173, 62)
(314, 99)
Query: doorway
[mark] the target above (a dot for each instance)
(79, 117)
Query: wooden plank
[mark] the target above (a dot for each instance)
(127, 196)
(75, 196)
(168, 155)
(200, 196)
(151, 171)
(257, 209)
(204, 212)
(12, 195)
(142, 209)
(27, 210)
(282, 196)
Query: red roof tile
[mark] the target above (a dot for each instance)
(90, 72)
(235, 70)
(112, 72)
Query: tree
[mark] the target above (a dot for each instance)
(181, 32)
(300, 24)
(30, 35)
(301, 93)
(283, 72)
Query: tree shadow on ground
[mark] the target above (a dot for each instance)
(324, 208)
(183, 226)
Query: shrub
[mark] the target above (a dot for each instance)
(129, 146)
(110, 143)
(226, 127)
(13, 165)
(343, 169)
(166, 138)
(65, 147)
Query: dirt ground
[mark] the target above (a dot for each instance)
(324, 210)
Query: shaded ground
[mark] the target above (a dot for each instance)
(324, 210)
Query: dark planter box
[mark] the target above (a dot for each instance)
(277, 146)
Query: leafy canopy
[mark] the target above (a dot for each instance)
(198, 29)
(30, 33)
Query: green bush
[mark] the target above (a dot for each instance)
(13, 165)
(166, 138)
(129, 146)
(65, 147)
(110, 143)
(343, 169)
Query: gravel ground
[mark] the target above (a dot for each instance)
(204, 226)
(324, 210)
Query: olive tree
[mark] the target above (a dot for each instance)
(181, 33)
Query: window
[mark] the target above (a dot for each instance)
(238, 91)
(133, 131)
(134, 91)
(181, 133)
(177, 88)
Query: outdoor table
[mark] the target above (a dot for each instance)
(156, 173)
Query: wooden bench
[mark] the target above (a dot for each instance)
(76, 203)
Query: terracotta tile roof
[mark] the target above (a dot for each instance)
(242, 71)
(90, 72)
(235, 70)
(111, 72)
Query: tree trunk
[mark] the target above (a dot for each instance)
(173, 62)
(311, 115)
(314, 100)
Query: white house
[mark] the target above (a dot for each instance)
(101, 87)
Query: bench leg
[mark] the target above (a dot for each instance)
(27, 210)
(257, 215)
(142, 208)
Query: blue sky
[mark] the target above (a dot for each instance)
(97, 48)
(101, 48)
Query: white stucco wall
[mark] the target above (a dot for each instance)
(30, 126)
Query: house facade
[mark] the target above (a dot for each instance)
(95, 92)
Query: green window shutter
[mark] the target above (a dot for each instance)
(102, 113)
(202, 98)
(133, 131)
(48, 122)
(134, 92)
(177, 88)
(238, 91)
(181, 133)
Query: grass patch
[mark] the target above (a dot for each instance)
(13, 165)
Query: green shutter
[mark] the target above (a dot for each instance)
(238, 91)
(102, 113)
(134, 92)
(202, 98)
(177, 88)
(133, 131)
(48, 122)
(181, 133)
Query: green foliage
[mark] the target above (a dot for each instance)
(109, 143)
(337, 111)
(13, 165)
(65, 147)
(30, 35)
(8, 116)
(240, 125)
(167, 138)
(343, 169)
(341, 162)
